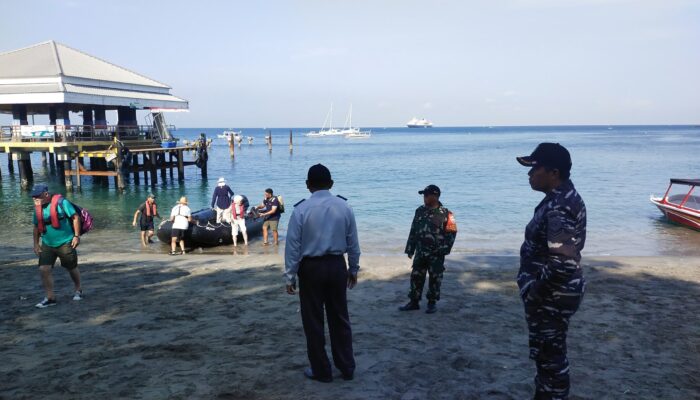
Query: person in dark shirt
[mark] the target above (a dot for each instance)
(272, 214)
(550, 279)
(148, 210)
(221, 201)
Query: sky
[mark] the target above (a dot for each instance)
(457, 63)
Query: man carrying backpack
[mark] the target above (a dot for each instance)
(272, 212)
(56, 235)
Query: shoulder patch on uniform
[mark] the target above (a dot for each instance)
(341, 197)
(299, 202)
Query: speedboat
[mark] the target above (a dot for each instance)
(419, 123)
(682, 206)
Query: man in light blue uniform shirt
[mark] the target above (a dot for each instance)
(321, 230)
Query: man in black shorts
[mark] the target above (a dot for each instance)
(147, 210)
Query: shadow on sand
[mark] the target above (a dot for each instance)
(183, 328)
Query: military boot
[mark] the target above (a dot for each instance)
(410, 306)
(432, 307)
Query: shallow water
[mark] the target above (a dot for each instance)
(615, 170)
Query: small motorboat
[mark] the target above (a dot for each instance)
(205, 232)
(681, 207)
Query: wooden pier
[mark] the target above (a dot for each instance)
(113, 151)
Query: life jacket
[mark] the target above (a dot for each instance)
(55, 220)
(152, 209)
(236, 209)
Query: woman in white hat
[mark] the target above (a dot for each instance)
(238, 220)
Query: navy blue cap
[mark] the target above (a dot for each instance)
(430, 189)
(319, 174)
(39, 189)
(552, 155)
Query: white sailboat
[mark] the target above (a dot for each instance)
(323, 131)
(353, 133)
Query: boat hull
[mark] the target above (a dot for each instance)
(205, 232)
(679, 215)
(419, 126)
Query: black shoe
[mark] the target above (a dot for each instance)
(410, 306)
(349, 377)
(309, 373)
(432, 308)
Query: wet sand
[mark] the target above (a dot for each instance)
(216, 326)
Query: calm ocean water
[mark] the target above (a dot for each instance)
(614, 168)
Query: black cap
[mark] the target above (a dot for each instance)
(39, 189)
(552, 155)
(319, 174)
(430, 189)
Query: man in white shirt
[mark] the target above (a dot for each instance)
(321, 230)
(181, 216)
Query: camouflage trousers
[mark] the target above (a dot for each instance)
(548, 324)
(422, 265)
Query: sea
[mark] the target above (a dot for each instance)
(615, 169)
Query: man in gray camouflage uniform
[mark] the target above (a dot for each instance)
(430, 243)
(550, 278)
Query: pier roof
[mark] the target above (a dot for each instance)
(53, 73)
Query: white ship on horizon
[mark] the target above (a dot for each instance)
(419, 123)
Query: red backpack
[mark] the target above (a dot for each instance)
(86, 220)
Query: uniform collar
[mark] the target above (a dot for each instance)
(321, 193)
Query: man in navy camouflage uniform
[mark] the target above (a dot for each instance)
(550, 278)
(430, 243)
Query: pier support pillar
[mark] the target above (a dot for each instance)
(19, 114)
(170, 164)
(119, 179)
(10, 165)
(77, 171)
(64, 165)
(26, 175)
(180, 166)
(152, 165)
(52, 163)
(43, 159)
(135, 168)
(163, 166)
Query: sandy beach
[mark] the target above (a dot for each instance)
(220, 326)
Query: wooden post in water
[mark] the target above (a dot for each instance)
(231, 147)
(77, 171)
(43, 159)
(119, 179)
(60, 172)
(25, 170)
(163, 166)
(154, 175)
(135, 168)
(66, 171)
(205, 158)
(291, 145)
(170, 164)
(10, 165)
(52, 163)
(145, 168)
(180, 166)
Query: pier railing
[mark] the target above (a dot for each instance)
(79, 133)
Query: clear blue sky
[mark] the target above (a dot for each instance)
(281, 63)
